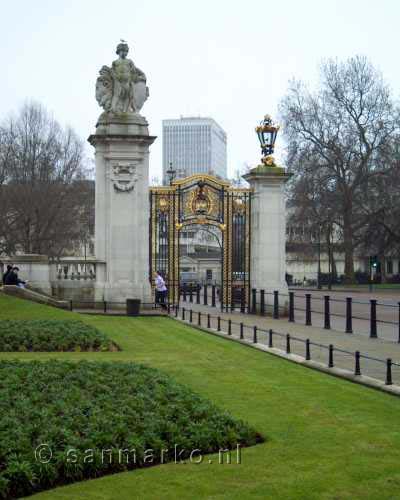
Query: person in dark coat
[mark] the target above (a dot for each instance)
(12, 278)
(9, 269)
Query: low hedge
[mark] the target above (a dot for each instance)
(49, 408)
(51, 335)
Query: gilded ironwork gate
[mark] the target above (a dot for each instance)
(202, 200)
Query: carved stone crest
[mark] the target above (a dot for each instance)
(124, 177)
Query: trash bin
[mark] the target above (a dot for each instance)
(132, 307)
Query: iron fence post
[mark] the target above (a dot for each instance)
(183, 313)
(213, 296)
(198, 294)
(308, 352)
(229, 327)
(191, 293)
(176, 311)
(191, 316)
(218, 324)
(388, 372)
(104, 307)
(199, 318)
(287, 343)
(208, 321)
(357, 370)
(330, 364)
(241, 331)
(205, 295)
(254, 335)
(270, 334)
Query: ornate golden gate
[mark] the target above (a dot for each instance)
(202, 199)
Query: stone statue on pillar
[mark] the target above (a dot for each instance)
(121, 143)
(121, 88)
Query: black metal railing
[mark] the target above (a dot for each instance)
(330, 355)
(373, 317)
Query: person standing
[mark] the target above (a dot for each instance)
(161, 290)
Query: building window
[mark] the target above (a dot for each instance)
(389, 266)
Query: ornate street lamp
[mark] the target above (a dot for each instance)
(267, 132)
(171, 173)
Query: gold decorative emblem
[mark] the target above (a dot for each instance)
(163, 204)
(239, 205)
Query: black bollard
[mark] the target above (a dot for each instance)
(254, 334)
(308, 309)
(262, 302)
(349, 315)
(373, 332)
(276, 304)
(253, 301)
(327, 313)
(241, 331)
(291, 307)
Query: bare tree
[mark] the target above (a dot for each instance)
(343, 128)
(41, 169)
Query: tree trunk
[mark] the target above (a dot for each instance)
(348, 246)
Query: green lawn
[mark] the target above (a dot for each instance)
(326, 438)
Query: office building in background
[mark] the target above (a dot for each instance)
(194, 145)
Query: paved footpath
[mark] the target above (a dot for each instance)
(380, 349)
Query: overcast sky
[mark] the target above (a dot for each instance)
(227, 59)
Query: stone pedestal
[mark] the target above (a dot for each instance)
(122, 145)
(268, 231)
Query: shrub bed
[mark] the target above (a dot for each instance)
(52, 413)
(52, 335)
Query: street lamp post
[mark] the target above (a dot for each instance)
(267, 132)
(171, 173)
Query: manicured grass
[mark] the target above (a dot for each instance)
(100, 418)
(327, 438)
(51, 335)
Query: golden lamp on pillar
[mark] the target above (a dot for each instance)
(267, 132)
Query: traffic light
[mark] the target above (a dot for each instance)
(374, 261)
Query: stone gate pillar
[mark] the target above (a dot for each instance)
(268, 230)
(121, 145)
(122, 206)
